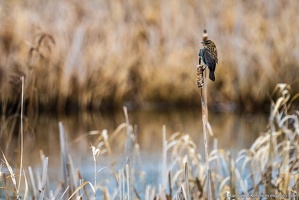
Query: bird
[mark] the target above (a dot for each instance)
(209, 56)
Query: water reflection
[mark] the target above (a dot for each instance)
(233, 132)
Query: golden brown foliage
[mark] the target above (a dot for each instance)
(95, 53)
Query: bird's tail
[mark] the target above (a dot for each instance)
(212, 75)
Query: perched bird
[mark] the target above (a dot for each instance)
(209, 56)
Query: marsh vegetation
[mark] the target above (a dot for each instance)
(73, 57)
(268, 167)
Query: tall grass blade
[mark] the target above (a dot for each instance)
(147, 192)
(128, 145)
(81, 186)
(187, 181)
(44, 178)
(183, 192)
(74, 179)
(22, 137)
(123, 183)
(169, 185)
(64, 157)
(26, 186)
(32, 182)
(128, 182)
(152, 193)
(120, 186)
(64, 192)
(164, 157)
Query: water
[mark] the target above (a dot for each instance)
(233, 132)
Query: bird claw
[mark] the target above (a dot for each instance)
(200, 83)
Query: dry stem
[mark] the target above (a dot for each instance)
(203, 96)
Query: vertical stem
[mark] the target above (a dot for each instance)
(128, 182)
(187, 181)
(95, 172)
(203, 95)
(271, 154)
(204, 123)
(22, 135)
(231, 174)
(123, 183)
(120, 186)
(32, 182)
(44, 177)
(164, 157)
(169, 184)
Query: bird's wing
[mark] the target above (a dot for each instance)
(200, 52)
(215, 54)
(210, 61)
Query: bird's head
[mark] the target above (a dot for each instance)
(206, 42)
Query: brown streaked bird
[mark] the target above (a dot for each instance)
(209, 56)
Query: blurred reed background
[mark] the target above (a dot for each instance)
(92, 54)
(86, 55)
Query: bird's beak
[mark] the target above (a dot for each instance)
(202, 42)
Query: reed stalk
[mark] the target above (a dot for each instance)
(44, 178)
(187, 181)
(164, 157)
(123, 183)
(32, 182)
(169, 185)
(128, 182)
(26, 186)
(128, 146)
(120, 185)
(22, 138)
(65, 164)
(232, 170)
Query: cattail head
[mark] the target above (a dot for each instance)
(205, 35)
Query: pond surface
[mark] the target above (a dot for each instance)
(233, 132)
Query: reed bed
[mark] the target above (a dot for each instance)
(267, 170)
(91, 54)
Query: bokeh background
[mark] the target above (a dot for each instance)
(100, 54)
(81, 58)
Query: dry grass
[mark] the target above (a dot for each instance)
(109, 52)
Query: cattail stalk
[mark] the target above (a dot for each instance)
(203, 96)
